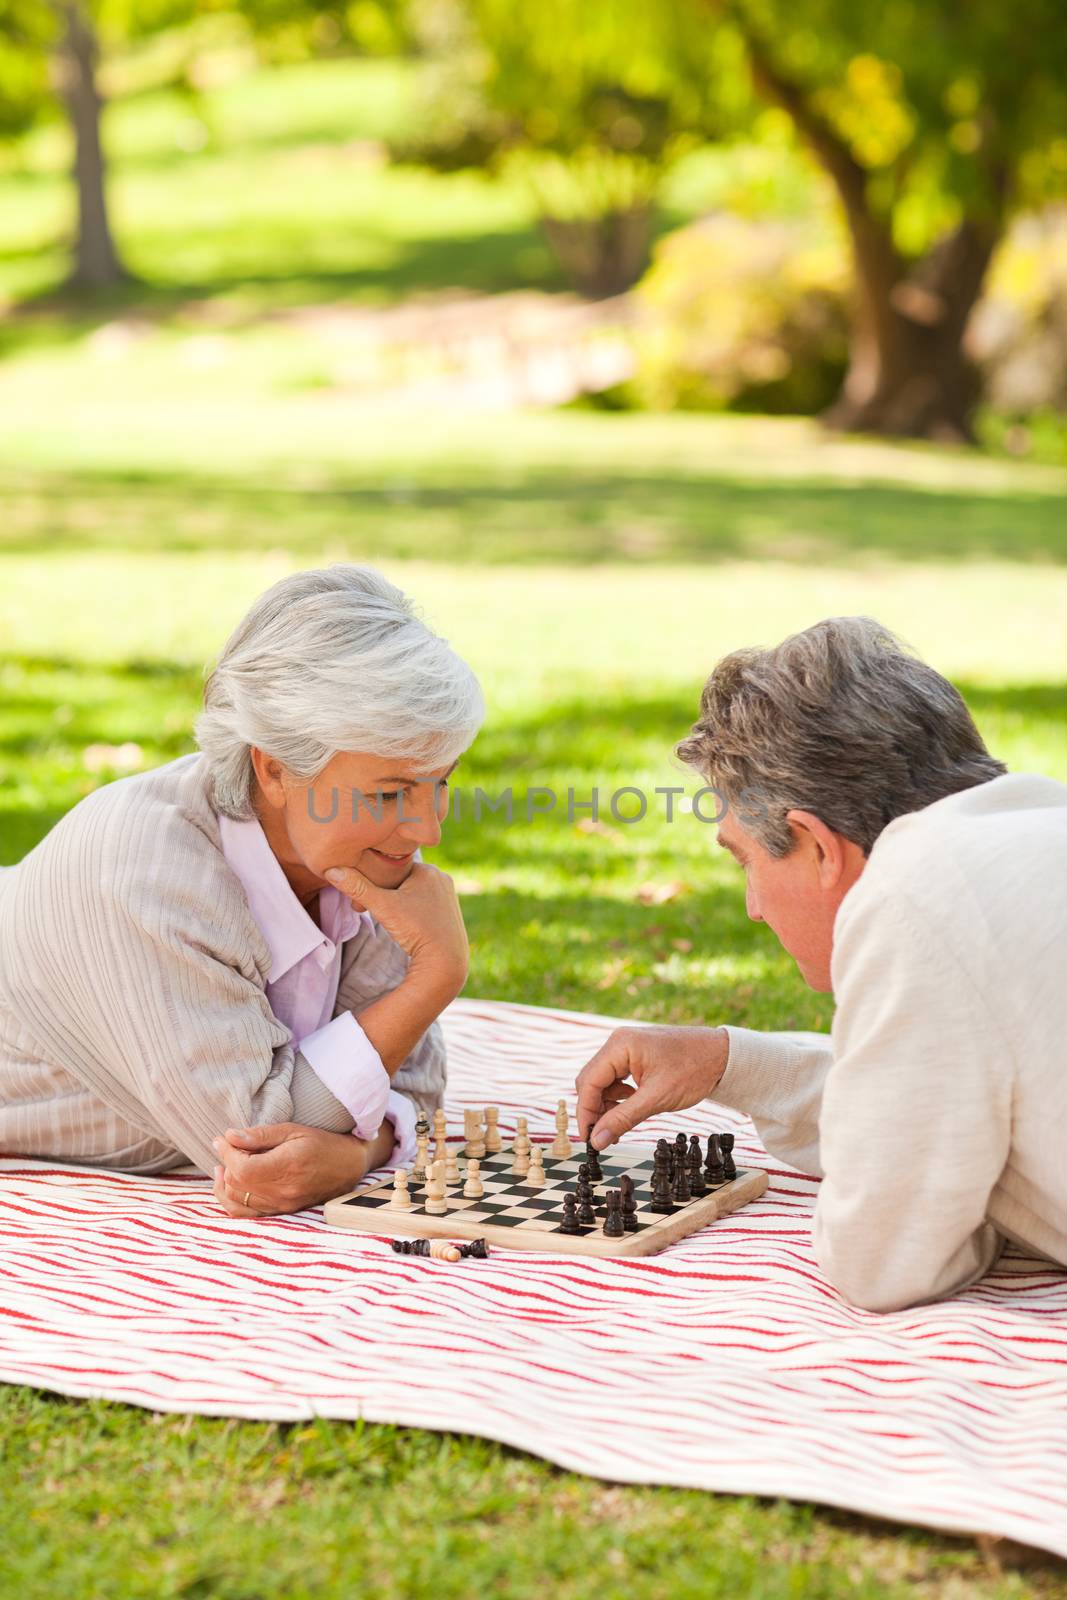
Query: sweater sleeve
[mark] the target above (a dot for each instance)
(136, 928)
(777, 1079)
(916, 1115)
(373, 965)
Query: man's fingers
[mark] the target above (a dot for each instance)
(608, 1067)
(611, 1126)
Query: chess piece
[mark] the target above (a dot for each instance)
(422, 1155)
(695, 1162)
(592, 1161)
(520, 1161)
(681, 1193)
(522, 1136)
(440, 1134)
(561, 1144)
(586, 1214)
(713, 1167)
(681, 1155)
(477, 1249)
(613, 1228)
(492, 1131)
(444, 1250)
(535, 1175)
(452, 1174)
(436, 1203)
(569, 1223)
(421, 1125)
(661, 1185)
(726, 1145)
(628, 1204)
(474, 1188)
(475, 1138)
(400, 1199)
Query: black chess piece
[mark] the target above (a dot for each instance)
(695, 1162)
(680, 1190)
(667, 1152)
(586, 1213)
(661, 1185)
(592, 1161)
(681, 1148)
(583, 1172)
(726, 1145)
(569, 1223)
(713, 1167)
(478, 1250)
(629, 1204)
(613, 1225)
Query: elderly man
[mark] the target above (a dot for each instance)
(238, 959)
(910, 876)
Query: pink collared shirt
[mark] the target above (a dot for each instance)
(305, 971)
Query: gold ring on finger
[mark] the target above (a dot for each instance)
(248, 1196)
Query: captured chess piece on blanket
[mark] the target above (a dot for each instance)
(630, 1200)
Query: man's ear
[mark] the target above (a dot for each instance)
(831, 851)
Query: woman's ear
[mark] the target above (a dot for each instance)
(270, 776)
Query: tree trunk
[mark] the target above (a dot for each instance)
(909, 374)
(97, 264)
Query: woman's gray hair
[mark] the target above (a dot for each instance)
(329, 660)
(840, 720)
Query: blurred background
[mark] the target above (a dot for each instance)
(620, 333)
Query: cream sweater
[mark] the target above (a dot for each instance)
(937, 1109)
(134, 1023)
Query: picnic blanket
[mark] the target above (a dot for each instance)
(726, 1362)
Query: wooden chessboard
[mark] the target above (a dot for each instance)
(515, 1216)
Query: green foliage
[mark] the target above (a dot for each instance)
(751, 316)
(950, 110)
(590, 101)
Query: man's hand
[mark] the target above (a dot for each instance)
(671, 1068)
(422, 915)
(286, 1167)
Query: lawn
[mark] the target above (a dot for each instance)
(161, 463)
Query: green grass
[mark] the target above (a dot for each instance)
(647, 547)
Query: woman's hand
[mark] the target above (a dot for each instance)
(287, 1167)
(422, 915)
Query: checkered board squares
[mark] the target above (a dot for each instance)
(514, 1215)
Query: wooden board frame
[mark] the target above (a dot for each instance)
(375, 1217)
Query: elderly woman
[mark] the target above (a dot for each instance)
(237, 959)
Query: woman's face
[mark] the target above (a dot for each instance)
(364, 811)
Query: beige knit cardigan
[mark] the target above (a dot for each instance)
(134, 1022)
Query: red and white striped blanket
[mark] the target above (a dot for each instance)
(725, 1363)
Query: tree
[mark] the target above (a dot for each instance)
(934, 121)
(590, 101)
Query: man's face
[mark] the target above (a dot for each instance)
(797, 895)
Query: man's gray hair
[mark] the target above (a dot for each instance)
(840, 720)
(329, 660)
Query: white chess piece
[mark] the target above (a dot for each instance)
(400, 1197)
(474, 1188)
(436, 1203)
(452, 1166)
(561, 1144)
(440, 1135)
(492, 1131)
(535, 1175)
(422, 1158)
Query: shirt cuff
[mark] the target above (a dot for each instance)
(400, 1111)
(343, 1058)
